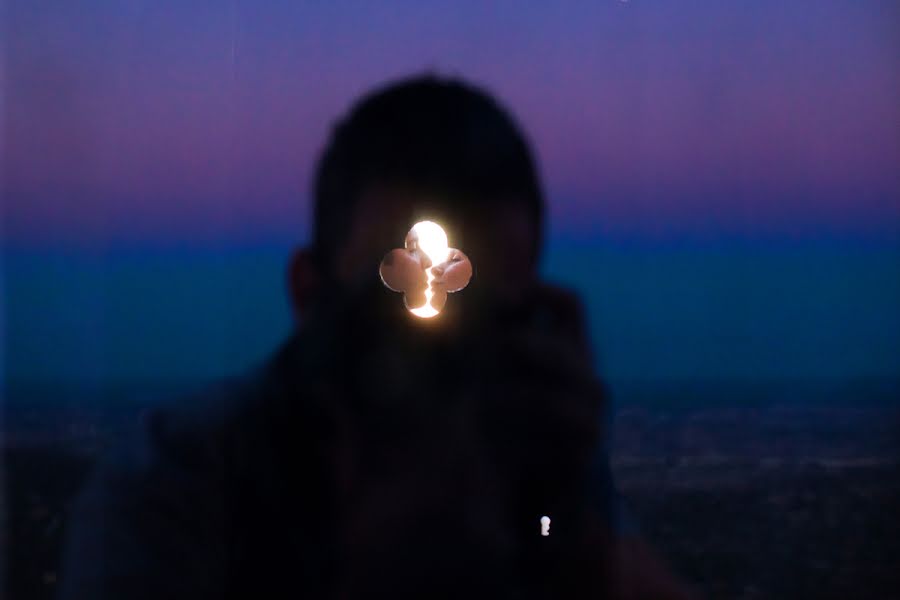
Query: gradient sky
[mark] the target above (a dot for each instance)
(202, 119)
(169, 131)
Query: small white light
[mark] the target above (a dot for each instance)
(545, 526)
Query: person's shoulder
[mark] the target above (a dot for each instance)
(238, 399)
(165, 481)
(561, 310)
(187, 434)
(564, 302)
(200, 430)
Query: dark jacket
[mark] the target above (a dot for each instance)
(365, 461)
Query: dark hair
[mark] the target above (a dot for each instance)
(441, 135)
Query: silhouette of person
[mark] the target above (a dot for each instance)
(375, 454)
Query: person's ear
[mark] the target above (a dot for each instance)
(303, 281)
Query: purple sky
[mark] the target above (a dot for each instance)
(200, 121)
(150, 148)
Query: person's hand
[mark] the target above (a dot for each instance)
(450, 276)
(453, 274)
(403, 270)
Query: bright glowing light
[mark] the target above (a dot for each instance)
(545, 526)
(432, 240)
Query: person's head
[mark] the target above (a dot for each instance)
(423, 148)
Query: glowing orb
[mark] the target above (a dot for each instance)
(433, 242)
(425, 270)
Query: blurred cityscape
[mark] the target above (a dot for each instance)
(772, 499)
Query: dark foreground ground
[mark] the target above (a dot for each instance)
(777, 501)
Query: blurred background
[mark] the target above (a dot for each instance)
(724, 191)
